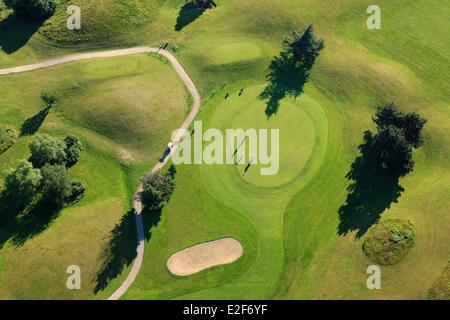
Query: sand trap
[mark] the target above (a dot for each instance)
(205, 255)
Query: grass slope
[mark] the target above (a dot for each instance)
(109, 166)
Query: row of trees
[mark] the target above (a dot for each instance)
(44, 177)
(36, 9)
(398, 134)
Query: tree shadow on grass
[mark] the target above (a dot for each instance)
(120, 249)
(188, 14)
(16, 31)
(286, 78)
(371, 192)
(18, 224)
(32, 125)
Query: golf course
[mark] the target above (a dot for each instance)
(138, 70)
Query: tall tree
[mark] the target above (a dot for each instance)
(411, 124)
(22, 183)
(157, 189)
(393, 152)
(47, 149)
(304, 47)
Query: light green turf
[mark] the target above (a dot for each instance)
(235, 52)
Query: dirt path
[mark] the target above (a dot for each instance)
(137, 201)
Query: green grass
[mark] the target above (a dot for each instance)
(109, 166)
(389, 241)
(288, 223)
(441, 288)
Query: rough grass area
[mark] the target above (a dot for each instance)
(98, 233)
(389, 241)
(441, 288)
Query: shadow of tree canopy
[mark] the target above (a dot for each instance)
(371, 192)
(286, 77)
(19, 224)
(16, 31)
(289, 72)
(190, 12)
(120, 250)
(32, 125)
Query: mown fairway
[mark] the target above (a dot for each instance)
(289, 224)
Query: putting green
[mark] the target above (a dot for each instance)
(296, 142)
(299, 123)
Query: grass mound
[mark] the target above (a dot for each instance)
(441, 288)
(389, 241)
(100, 20)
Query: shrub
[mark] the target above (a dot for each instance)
(389, 241)
(76, 192)
(8, 137)
(55, 187)
(49, 98)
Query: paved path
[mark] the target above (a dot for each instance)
(137, 200)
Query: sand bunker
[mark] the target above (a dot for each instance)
(205, 255)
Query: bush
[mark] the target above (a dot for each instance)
(49, 98)
(410, 124)
(36, 9)
(8, 137)
(76, 192)
(389, 241)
